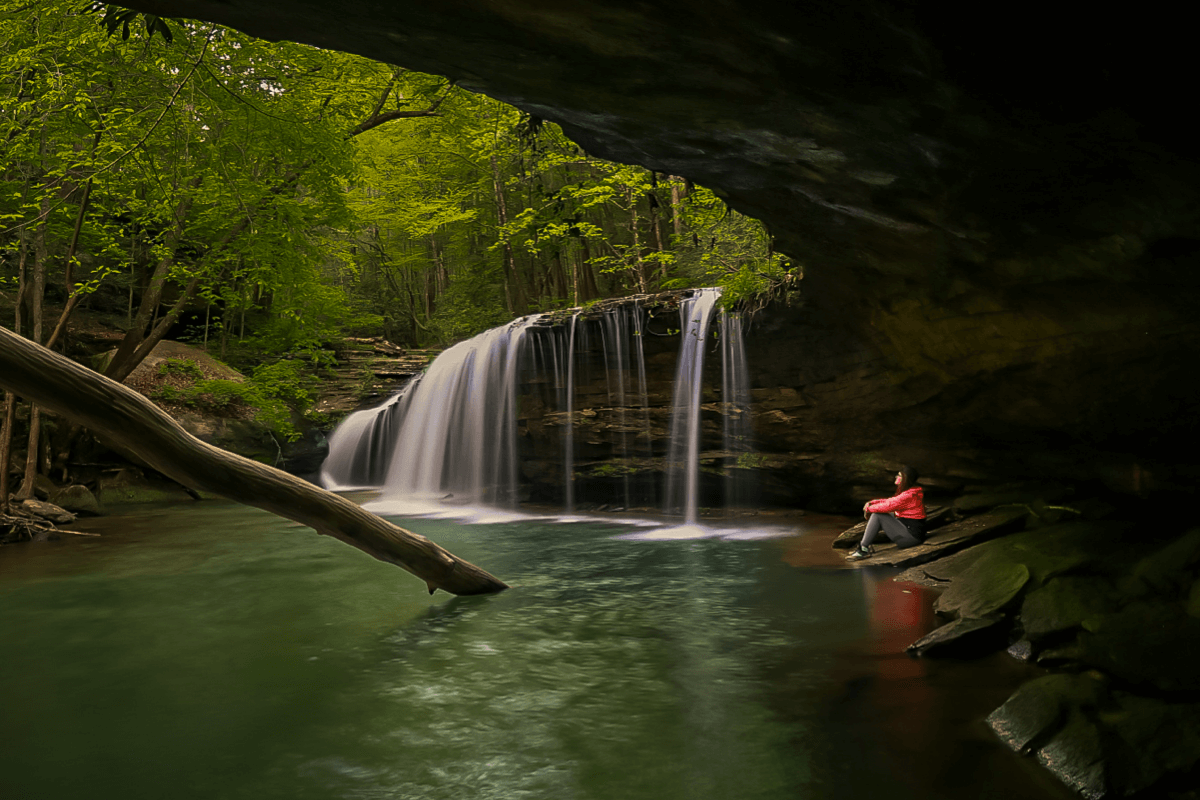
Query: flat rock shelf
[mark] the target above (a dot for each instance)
(942, 541)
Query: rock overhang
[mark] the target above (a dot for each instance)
(995, 206)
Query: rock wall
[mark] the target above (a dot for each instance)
(833, 418)
(995, 208)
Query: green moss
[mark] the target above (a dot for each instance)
(751, 461)
(273, 392)
(183, 367)
(610, 470)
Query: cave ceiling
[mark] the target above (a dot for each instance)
(888, 136)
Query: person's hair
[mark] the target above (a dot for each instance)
(908, 479)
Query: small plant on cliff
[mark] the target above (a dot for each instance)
(183, 367)
(751, 461)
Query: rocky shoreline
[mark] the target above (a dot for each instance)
(1107, 601)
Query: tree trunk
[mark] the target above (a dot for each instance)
(576, 287)
(590, 290)
(10, 399)
(156, 335)
(428, 296)
(676, 205)
(37, 294)
(129, 421)
(73, 295)
(10, 419)
(639, 265)
(123, 361)
(560, 275)
(513, 296)
(656, 226)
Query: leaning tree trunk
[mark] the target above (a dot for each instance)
(127, 419)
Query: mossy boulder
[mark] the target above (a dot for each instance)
(1052, 717)
(76, 499)
(1170, 570)
(1098, 547)
(1152, 743)
(1038, 709)
(1030, 495)
(1066, 603)
(1099, 741)
(129, 486)
(988, 587)
(966, 637)
(1148, 643)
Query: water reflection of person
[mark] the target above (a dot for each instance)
(901, 517)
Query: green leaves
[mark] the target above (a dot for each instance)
(306, 193)
(115, 17)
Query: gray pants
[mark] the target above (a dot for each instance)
(893, 529)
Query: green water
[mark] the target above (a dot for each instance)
(218, 652)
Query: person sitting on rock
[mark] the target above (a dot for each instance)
(901, 517)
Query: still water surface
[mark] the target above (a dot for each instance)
(216, 651)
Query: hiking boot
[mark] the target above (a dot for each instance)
(860, 553)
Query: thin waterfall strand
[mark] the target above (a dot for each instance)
(683, 482)
(735, 398)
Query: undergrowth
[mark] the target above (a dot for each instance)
(273, 393)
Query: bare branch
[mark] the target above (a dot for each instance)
(377, 119)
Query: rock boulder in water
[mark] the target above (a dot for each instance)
(988, 587)
(76, 499)
(1064, 604)
(48, 511)
(962, 637)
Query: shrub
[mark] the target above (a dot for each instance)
(183, 367)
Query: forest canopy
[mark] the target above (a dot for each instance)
(162, 171)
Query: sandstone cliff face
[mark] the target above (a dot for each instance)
(996, 214)
(833, 418)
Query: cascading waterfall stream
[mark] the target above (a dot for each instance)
(569, 436)
(737, 430)
(683, 481)
(457, 435)
(452, 434)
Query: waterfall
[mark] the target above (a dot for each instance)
(361, 449)
(569, 435)
(737, 429)
(453, 433)
(622, 332)
(457, 434)
(683, 477)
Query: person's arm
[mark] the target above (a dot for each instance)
(885, 505)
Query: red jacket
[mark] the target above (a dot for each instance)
(909, 504)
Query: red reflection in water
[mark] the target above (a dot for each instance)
(919, 720)
(901, 692)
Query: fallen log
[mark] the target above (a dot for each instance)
(120, 415)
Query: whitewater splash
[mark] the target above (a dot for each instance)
(449, 438)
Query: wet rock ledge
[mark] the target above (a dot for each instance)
(1107, 603)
